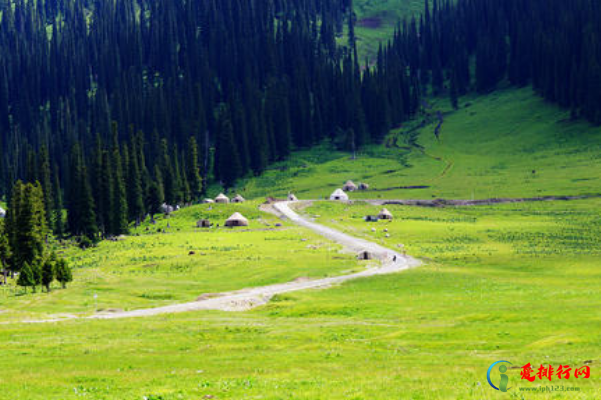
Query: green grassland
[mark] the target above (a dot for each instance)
(488, 148)
(514, 282)
(150, 269)
(517, 282)
(377, 19)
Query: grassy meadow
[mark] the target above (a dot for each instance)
(517, 282)
(377, 19)
(514, 282)
(153, 266)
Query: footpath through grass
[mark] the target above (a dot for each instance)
(511, 282)
(157, 268)
(517, 282)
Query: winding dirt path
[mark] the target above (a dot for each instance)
(481, 202)
(246, 299)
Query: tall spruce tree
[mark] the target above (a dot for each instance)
(193, 169)
(26, 227)
(118, 202)
(227, 160)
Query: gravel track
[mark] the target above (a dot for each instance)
(247, 299)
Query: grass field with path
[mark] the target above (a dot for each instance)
(156, 268)
(513, 282)
(517, 282)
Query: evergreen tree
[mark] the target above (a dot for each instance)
(454, 92)
(155, 199)
(26, 228)
(58, 223)
(63, 273)
(48, 271)
(118, 202)
(227, 161)
(135, 194)
(46, 182)
(193, 169)
(81, 215)
(167, 174)
(27, 277)
(5, 251)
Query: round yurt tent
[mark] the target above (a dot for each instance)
(166, 208)
(349, 186)
(203, 223)
(238, 199)
(292, 197)
(236, 219)
(223, 199)
(385, 214)
(339, 195)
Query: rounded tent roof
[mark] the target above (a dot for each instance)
(350, 185)
(292, 197)
(208, 201)
(222, 197)
(385, 212)
(238, 198)
(339, 195)
(237, 217)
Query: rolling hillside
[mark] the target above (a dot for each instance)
(376, 20)
(515, 282)
(508, 144)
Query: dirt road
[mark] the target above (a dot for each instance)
(246, 299)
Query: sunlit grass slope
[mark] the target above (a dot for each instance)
(376, 20)
(512, 282)
(509, 143)
(157, 268)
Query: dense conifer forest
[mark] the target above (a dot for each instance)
(115, 107)
(478, 44)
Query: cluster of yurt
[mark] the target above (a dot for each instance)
(350, 186)
(383, 215)
(167, 209)
(223, 199)
(235, 220)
